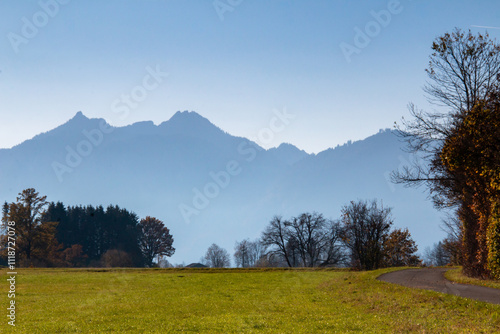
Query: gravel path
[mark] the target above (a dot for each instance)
(433, 279)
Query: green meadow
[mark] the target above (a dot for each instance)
(233, 301)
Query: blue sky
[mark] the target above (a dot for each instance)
(237, 71)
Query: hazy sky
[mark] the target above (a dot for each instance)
(234, 62)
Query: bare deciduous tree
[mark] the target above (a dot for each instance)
(463, 69)
(248, 253)
(242, 254)
(307, 240)
(437, 255)
(365, 227)
(276, 236)
(316, 239)
(217, 257)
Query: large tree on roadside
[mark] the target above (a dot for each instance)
(463, 71)
(471, 155)
(154, 239)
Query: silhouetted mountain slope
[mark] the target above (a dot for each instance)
(205, 184)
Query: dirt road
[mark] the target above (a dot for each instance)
(433, 279)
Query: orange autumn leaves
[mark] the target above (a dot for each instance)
(471, 155)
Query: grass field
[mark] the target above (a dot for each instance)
(233, 301)
(456, 275)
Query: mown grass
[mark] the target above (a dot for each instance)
(456, 275)
(234, 301)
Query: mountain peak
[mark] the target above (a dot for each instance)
(288, 153)
(78, 121)
(187, 116)
(284, 146)
(79, 116)
(190, 123)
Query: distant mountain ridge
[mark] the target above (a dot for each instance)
(205, 184)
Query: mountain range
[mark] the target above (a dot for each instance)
(207, 185)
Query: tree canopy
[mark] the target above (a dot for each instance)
(154, 239)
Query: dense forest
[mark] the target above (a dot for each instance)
(96, 229)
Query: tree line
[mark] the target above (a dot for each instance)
(55, 235)
(51, 234)
(362, 238)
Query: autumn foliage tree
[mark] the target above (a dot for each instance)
(73, 256)
(35, 239)
(116, 258)
(154, 239)
(458, 146)
(471, 155)
(399, 249)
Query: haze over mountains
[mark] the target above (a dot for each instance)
(207, 185)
